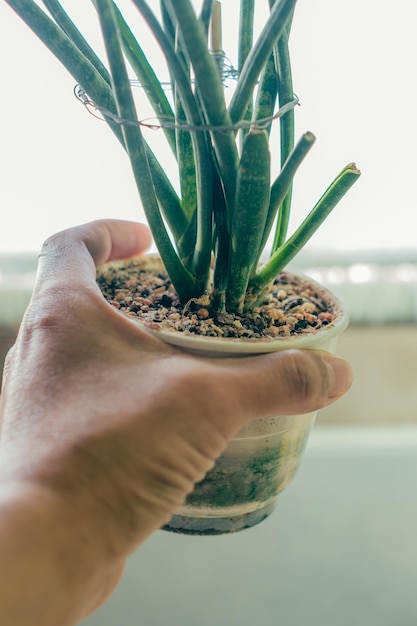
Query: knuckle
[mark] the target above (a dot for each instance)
(8, 363)
(307, 380)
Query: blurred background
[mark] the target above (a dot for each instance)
(341, 548)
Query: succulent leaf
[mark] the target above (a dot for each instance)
(224, 215)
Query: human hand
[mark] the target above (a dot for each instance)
(99, 417)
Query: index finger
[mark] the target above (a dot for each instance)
(74, 253)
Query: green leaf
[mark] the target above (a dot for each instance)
(64, 21)
(251, 208)
(194, 117)
(287, 130)
(331, 197)
(227, 205)
(184, 283)
(266, 97)
(258, 57)
(148, 80)
(283, 182)
(185, 150)
(186, 165)
(246, 18)
(245, 45)
(210, 90)
(221, 245)
(70, 56)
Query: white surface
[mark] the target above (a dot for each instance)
(354, 68)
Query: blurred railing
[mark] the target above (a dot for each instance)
(376, 287)
(380, 293)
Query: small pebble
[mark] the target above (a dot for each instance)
(326, 317)
(286, 311)
(311, 319)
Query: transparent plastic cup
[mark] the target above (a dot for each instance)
(243, 487)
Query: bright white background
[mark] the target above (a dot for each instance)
(354, 71)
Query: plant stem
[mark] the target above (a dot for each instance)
(216, 44)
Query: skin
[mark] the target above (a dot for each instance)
(99, 440)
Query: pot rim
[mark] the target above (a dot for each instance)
(224, 346)
(231, 345)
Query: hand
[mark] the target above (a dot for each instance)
(104, 428)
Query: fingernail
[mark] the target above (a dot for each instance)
(340, 376)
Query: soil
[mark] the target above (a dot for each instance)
(293, 307)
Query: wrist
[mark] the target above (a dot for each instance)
(53, 567)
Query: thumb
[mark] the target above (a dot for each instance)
(291, 382)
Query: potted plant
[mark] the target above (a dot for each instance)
(213, 289)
